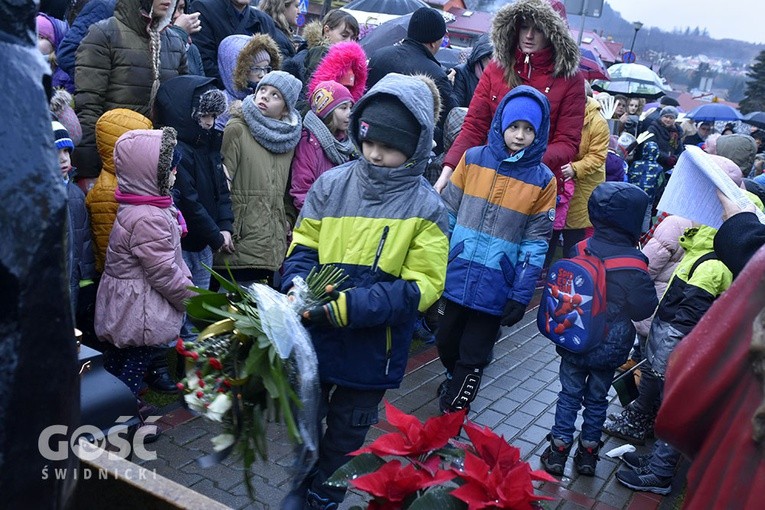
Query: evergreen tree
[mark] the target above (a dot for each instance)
(754, 99)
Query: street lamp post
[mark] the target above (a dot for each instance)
(637, 26)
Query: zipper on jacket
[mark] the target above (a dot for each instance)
(380, 246)
(527, 63)
(523, 267)
(388, 349)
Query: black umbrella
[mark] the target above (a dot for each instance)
(756, 119)
(386, 6)
(387, 34)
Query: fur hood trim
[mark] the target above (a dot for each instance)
(244, 60)
(504, 36)
(437, 104)
(341, 58)
(313, 34)
(164, 164)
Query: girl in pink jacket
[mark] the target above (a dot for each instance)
(140, 302)
(324, 143)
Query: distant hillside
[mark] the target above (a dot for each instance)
(688, 42)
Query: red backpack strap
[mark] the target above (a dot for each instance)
(625, 262)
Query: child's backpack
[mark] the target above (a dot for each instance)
(573, 309)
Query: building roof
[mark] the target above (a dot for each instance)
(597, 45)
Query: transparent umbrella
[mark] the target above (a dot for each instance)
(632, 80)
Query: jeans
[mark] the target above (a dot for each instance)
(349, 413)
(664, 459)
(200, 277)
(581, 386)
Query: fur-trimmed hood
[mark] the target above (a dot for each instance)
(437, 103)
(235, 55)
(341, 58)
(313, 34)
(143, 160)
(504, 36)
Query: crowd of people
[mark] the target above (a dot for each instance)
(208, 134)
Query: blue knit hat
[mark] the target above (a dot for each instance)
(61, 136)
(522, 108)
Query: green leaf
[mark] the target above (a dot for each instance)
(230, 286)
(359, 465)
(438, 497)
(197, 306)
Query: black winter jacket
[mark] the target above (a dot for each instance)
(220, 20)
(411, 57)
(201, 191)
(465, 80)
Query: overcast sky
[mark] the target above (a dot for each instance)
(733, 19)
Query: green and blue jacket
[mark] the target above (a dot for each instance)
(387, 228)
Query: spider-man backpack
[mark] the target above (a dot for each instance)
(573, 309)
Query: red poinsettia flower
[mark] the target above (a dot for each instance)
(414, 438)
(497, 489)
(392, 483)
(491, 448)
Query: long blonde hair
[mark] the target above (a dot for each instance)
(275, 9)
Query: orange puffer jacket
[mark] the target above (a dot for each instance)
(100, 200)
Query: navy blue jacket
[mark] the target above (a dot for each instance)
(616, 212)
(200, 190)
(82, 263)
(93, 12)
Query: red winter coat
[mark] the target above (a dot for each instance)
(711, 395)
(553, 71)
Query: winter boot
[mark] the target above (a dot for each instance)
(586, 457)
(647, 482)
(444, 386)
(466, 382)
(632, 426)
(555, 456)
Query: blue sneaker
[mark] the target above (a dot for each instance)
(423, 333)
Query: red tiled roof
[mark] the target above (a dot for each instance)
(478, 22)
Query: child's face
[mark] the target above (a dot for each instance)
(341, 118)
(519, 135)
(634, 106)
(620, 108)
(258, 70)
(667, 120)
(270, 102)
(173, 173)
(338, 34)
(64, 162)
(45, 46)
(206, 121)
(380, 154)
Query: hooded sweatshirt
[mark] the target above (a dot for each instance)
(554, 71)
(386, 227)
(616, 214)
(201, 190)
(501, 211)
(141, 296)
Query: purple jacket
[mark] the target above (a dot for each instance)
(308, 164)
(145, 282)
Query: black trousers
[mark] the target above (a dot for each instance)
(465, 338)
(349, 413)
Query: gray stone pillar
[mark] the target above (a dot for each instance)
(39, 385)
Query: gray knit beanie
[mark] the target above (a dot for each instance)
(287, 84)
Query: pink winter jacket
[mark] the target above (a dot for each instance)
(145, 281)
(308, 164)
(664, 254)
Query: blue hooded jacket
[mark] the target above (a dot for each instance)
(501, 212)
(616, 212)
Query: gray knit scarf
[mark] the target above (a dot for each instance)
(276, 136)
(338, 151)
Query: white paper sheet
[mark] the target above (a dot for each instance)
(692, 191)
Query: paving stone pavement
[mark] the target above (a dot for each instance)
(517, 400)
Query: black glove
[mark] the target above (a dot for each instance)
(512, 313)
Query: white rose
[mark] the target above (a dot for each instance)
(219, 407)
